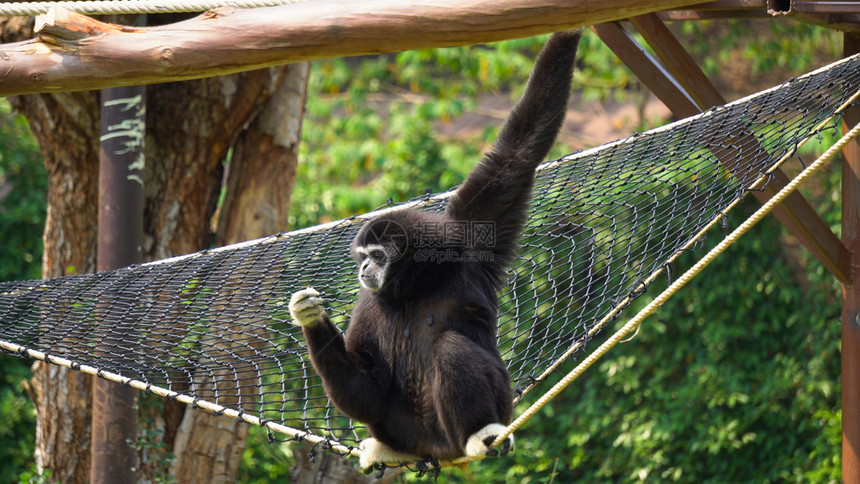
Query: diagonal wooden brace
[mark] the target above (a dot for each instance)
(686, 91)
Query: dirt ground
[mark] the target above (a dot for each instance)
(587, 124)
(590, 124)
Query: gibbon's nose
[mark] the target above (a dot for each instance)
(363, 267)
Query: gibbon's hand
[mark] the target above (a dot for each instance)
(306, 307)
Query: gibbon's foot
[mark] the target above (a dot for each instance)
(478, 444)
(375, 452)
(306, 307)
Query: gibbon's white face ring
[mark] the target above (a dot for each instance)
(373, 266)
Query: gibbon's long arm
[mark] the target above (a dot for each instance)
(354, 380)
(499, 188)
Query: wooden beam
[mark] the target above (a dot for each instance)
(74, 52)
(851, 293)
(824, 7)
(685, 15)
(839, 15)
(676, 59)
(795, 213)
(719, 9)
(684, 80)
(647, 69)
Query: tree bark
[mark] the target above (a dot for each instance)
(260, 178)
(74, 54)
(191, 127)
(262, 171)
(66, 126)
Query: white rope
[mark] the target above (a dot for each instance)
(210, 407)
(111, 7)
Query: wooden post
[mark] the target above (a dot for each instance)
(851, 293)
(114, 424)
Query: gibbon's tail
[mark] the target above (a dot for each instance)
(533, 124)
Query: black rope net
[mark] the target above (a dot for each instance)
(213, 328)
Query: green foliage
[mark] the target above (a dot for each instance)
(17, 425)
(154, 452)
(776, 44)
(370, 130)
(32, 476)
(23, 183)
(601, 76)
(265, 462)
(779, 49)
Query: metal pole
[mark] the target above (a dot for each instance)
(851, 293)
(120, 227)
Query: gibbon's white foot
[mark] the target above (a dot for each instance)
(375, 452)
(478, 444)
(306, 307)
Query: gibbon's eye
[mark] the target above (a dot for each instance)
(378, 255)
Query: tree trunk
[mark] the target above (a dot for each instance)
(66, 128)
(262, 171)
(260, 178)
(191, 127)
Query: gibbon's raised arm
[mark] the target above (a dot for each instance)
(499, 188)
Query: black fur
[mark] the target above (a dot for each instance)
(419, 364)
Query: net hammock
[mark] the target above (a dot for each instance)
(212, 329)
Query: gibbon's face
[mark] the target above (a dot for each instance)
(373, 265)
(376, 248)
